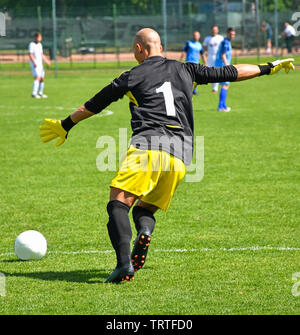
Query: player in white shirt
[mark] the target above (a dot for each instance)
(37, 58)
(289, 33)
(211, 44)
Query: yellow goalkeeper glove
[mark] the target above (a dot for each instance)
(56, 128)
(52, 129)
(286, 64)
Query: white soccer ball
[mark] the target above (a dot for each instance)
(30, 245)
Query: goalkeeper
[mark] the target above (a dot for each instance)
(160, 94)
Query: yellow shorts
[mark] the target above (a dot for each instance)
(152, 175)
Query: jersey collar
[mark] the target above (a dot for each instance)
(154, 58)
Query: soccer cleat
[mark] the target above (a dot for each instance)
(36, 96)
(120, 274)
(43, 96)
(140, 250)
(227, 109)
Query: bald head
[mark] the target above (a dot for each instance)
(148, 37)
(146, 44)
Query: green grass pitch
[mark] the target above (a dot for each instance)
(228, 245)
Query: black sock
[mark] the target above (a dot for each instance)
(119, 230)
(143, 219)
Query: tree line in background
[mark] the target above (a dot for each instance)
(134, 6)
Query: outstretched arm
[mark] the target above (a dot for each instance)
(204, 75)
(52, 129)
(248, 71)
(80, 114)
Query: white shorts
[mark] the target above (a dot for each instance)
(37, 71)
(211, 60)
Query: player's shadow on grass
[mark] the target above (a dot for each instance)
(76, 276)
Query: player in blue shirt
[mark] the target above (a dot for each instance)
(224, 58)
(192, 51)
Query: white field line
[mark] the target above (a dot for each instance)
(253, 248)
(104, 113)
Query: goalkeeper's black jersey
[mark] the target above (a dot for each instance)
(160, 93)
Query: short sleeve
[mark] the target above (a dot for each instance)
(223, 47)
(226, 47)
(31, 47)
(186, 47)
(201, 51)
